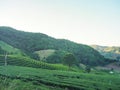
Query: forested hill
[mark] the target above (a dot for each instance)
(29, 42)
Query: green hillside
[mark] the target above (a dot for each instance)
(29, 43)
(25, 78)
(8, 48)
(108, 52)
(28, 62)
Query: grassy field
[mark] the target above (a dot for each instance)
(37, 79)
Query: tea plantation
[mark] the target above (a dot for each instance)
(27, 78)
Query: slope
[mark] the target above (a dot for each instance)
(28, 62)
(108, 52)
(31, 42)
(59, 80)
(9, 49)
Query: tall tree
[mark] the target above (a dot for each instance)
(69, 59)
(88, 69)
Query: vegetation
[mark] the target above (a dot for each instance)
(9, 49)
(29, 43)
(108, 52)
(55, 79)
(28, 62)
(43, 54)
(88, 69)
(69, 59)
(34, 62)
(1, 51)
(56, 57)
(18, 84)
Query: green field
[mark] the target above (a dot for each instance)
(26, 61)
(26, 78)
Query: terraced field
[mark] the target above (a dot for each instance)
(28, 62)
(57, 79)
(23, 73)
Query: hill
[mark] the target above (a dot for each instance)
(29, 43)
(108, 52)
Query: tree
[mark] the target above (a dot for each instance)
(88, 69)
(69, 59)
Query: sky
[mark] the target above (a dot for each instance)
(82, 21)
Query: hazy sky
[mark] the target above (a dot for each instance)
(82, 21)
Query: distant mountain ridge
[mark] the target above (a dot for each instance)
(29, 43)
(108, 52)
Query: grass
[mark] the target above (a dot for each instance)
(58, 79)
(17, 84)
(28, 62)
(9, 48)
(45, 53)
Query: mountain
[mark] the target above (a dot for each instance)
(108, 52)
(30, 43)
